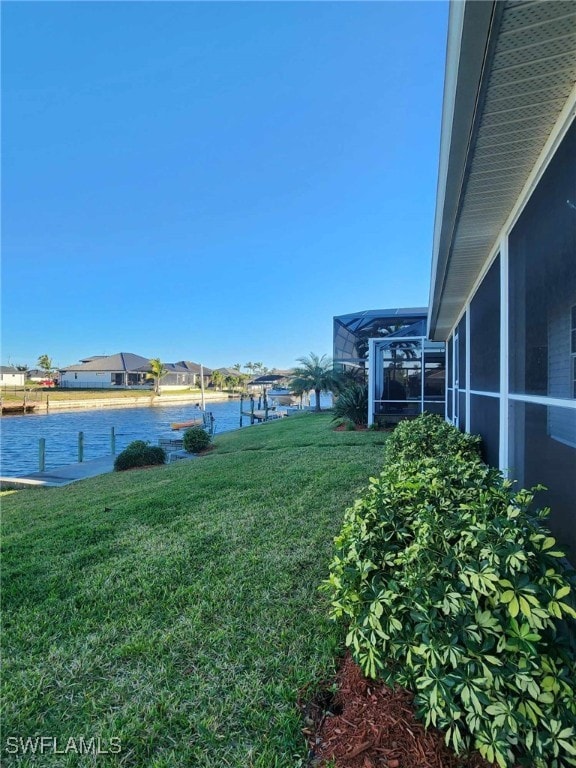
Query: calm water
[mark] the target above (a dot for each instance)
(20, 434)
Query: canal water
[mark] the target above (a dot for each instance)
(20, 434)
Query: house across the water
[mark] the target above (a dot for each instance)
(123, 370)
(127, 370)
(11, 377)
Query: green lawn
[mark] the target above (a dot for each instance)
(176, 609)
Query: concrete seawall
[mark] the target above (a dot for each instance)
(126, 402)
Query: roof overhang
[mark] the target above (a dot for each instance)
(510, 75)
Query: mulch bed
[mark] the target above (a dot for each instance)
(366, 724)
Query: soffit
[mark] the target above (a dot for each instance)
(528, 76)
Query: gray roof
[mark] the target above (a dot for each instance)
(10, 369)
(121, 362)
(194, 367)
(510, 72)
(91, 358)
(229, 371)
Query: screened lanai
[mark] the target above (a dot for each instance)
(405, 371)
(407, 376)
(353, 332)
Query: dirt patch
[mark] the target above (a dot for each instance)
(347, 428)
(365, 724)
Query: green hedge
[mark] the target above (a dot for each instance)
(429, 435)
(452, 587)
(139, 454)
(196, 439)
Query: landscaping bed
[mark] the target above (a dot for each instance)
(362, 723)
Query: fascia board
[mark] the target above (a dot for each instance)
(469, 28)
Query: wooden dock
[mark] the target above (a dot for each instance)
(11, 408)
(260, 415)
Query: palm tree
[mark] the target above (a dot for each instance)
(314, 373)
(45, 363)
(157, 370)
(217, 379)
(347, 377)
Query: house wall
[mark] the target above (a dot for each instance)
(86, 379)
(513, 381)
(11, 379)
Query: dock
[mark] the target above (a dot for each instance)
(10, 408)
(260, 415)
(60, 476)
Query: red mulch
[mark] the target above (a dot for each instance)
(368, 725)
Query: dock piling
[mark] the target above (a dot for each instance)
(80, 447)
(112, 441)
(41, 454)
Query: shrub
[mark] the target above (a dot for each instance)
(139, 454)
(452, 588)
(196, 439)
(430, 435)
(352, 403)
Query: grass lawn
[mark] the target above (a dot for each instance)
(176, 609)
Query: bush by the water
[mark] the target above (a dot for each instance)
(139, 454)
(352, 404)
(196, 439)
(453, 588)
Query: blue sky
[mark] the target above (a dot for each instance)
(214, 181)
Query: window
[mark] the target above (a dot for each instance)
(485, 421)
(538, 458)
(543, 283)
(485, 333)
(462, 353)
